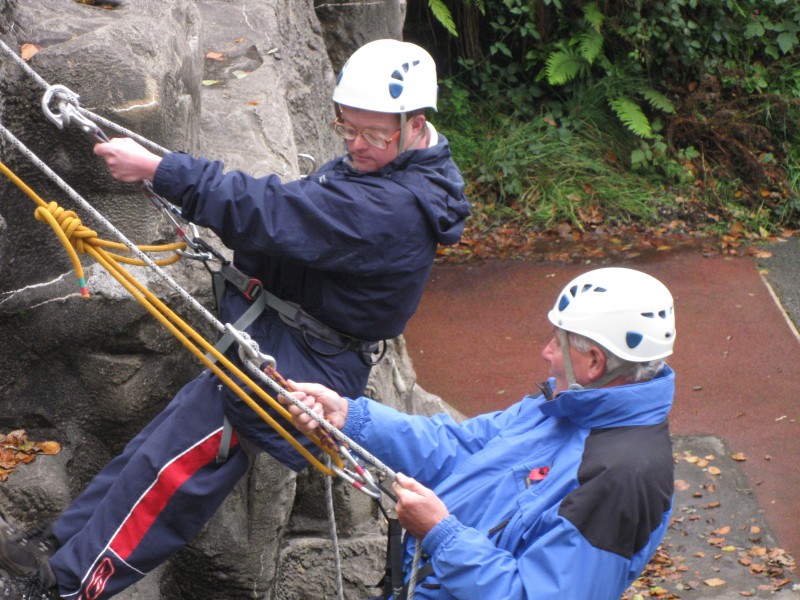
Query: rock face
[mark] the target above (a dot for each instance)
(244, 81)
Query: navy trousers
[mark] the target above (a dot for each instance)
(156, 496)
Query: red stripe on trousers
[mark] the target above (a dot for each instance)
(146, 511)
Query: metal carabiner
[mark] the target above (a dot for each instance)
(248, 349)
(67, 102)
(359, 477)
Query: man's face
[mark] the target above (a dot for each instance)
(584, 364)
(364, 156)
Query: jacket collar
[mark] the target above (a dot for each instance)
(645, 403)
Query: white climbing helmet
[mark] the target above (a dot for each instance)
(628, 312)
(387, 76)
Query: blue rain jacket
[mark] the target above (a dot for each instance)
(567, 498)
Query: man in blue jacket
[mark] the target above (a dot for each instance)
(344, 254)
(565, 495)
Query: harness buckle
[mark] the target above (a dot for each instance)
(253, 289)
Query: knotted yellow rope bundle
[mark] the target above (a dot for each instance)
(79, 239)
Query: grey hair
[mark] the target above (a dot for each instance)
(641, 371)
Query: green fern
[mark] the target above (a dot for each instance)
(590, 44)
(443, 15)
(632, 116)
(657, 100)
(563, 65)
(593, 16)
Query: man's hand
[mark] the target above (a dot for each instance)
(128, 161)
(324, 402)
(418, 508)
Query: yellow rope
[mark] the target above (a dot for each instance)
(77, 238)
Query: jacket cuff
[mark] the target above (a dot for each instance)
(165, 176)
(356, 417)
(444, 531)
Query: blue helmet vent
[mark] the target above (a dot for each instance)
(396, 89)
(633, 339)
(339, 76)
(563, 303)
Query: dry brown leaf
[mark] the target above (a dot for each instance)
(714, 582)
(27, 51)
(722, 530)
(50, 448)
(216, 55)
(17, 437)
(739, 456)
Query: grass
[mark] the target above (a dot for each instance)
(556, 170)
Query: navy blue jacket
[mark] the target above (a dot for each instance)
(548, 500)
(352, 249)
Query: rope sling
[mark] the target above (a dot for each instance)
(79, 239)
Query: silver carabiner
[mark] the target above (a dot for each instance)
(67, 102)
(248, 348)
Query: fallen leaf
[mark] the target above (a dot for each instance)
(722, 530)
(27, 51)
(714, 470)
(714, 582)
(49, 447)
(216, 55)
(739, 456)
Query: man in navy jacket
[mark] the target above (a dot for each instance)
(563, 495)
(352, 246)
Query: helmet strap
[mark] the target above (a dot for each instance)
(401, 144)
(610, 376)
(566, 353)
(569, 371)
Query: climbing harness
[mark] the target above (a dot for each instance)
(61, 106)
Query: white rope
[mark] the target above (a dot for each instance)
(412, 579)
(337, 557)
(87, 113)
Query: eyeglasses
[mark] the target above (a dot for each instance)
(373, 138)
